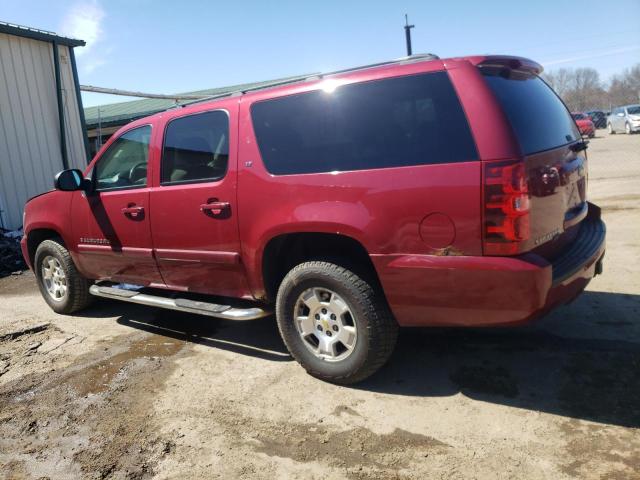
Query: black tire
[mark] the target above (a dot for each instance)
(77, 295)
(377, 330)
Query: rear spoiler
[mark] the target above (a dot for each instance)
(514, 63)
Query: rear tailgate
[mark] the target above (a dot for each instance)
(553, 152)
(557, 184)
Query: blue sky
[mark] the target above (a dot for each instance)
(168, 47)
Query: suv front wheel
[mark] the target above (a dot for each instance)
(61, 285)
(334, 323)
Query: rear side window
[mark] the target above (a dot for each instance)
(196, 148)
(412, 120)
(538, 117)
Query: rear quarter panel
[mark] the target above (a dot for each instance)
(382, 208)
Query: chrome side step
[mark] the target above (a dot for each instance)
(180, 304)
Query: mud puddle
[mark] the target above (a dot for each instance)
(92, 419)
(98, 377)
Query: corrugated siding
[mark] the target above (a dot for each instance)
(29, 130)
(75, 140)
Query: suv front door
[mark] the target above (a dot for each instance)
(110, 224)
(194, 222)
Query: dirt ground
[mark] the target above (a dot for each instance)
(122, 391)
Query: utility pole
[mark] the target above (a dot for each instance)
(407, 33)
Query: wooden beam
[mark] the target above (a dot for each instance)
(130, 93)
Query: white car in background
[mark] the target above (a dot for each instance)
(626, 119)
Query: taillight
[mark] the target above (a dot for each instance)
(506, 207)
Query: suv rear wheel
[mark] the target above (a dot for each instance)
(61, 285)
(334, 323)
(610, 128)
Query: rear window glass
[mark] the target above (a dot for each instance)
(538, 117)
(396, 122)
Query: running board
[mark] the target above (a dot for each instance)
(180, 304)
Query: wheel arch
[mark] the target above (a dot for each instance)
(38, 235)
(284, 251)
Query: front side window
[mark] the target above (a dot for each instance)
(196, 148)
(538, 117)
(396, 122)
(124, 164)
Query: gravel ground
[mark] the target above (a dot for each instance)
(123, 391)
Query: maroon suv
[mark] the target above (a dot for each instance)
(416, 192)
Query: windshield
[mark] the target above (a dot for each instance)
(538, 117)
(635, 110)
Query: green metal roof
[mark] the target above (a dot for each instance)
(125, 112)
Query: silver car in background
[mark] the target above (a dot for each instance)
(624, 119)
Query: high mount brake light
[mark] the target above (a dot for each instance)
(506, 207)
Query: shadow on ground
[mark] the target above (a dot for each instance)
(256, 338)
(590, 370)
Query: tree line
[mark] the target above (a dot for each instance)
(582, 89)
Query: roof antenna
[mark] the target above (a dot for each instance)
(407, 33)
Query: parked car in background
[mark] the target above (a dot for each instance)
(418, 192)
(585, 125)
(599, 118)
(624, 119)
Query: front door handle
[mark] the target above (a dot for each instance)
(133, 211)
(214, 208)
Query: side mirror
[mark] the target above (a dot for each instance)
(69, 180)
(621, 114)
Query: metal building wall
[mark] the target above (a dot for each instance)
(75, 135)
(30, 153)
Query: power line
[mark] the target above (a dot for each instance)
(593, 55)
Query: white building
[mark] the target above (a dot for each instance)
(41, 116)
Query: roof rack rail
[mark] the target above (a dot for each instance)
(418, 57)
(402, 60)
(236, 93)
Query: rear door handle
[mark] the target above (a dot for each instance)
(133, 211)
(215, 208)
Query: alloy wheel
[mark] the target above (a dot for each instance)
(54, 278)
(326, 324)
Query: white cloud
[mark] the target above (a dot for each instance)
(88, 65)
(84, 21)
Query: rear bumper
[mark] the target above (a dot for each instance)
(426, 290)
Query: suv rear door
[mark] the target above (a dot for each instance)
(194, 221)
